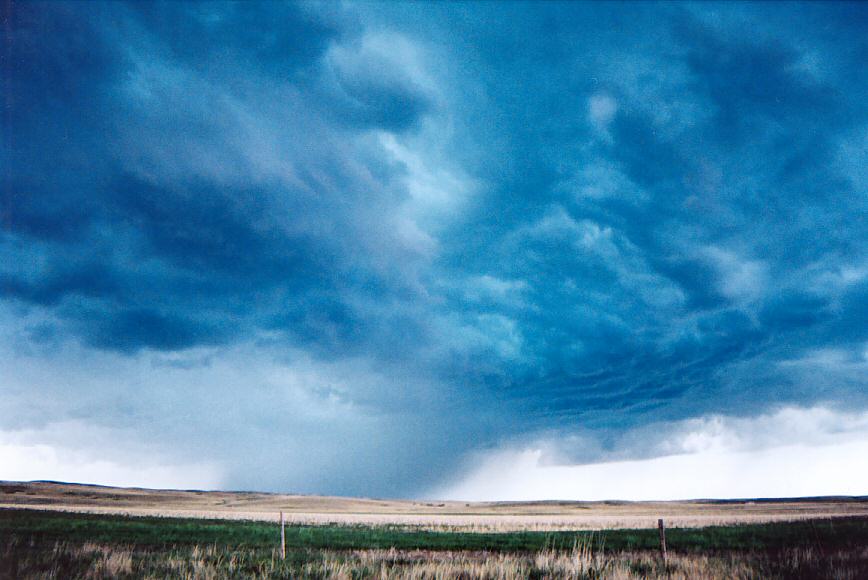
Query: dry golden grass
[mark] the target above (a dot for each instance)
(464, 516)
(585, 561)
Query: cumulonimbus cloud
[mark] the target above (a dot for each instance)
(445, 233)
(709, 457)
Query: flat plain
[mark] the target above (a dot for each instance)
(51, 530)
(433, 515)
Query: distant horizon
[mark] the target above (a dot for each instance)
(796, 499)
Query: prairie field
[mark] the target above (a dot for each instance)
(42, 544)
(433, 515)
(59, 531)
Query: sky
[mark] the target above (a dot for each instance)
(457, 250)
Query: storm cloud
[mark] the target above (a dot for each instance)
(341, 248)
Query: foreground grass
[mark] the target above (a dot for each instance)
(56, 545)
(840, 533)
(61, 560)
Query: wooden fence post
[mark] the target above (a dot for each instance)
(662, 539)
(282, 538)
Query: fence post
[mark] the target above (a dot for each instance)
(282, 538)
(662, 539)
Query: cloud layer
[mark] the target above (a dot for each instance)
(794, 452)
(369, 240)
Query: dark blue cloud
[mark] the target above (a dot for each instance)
(277, 38)
(77, 183)
(527, 217)
(132, 329)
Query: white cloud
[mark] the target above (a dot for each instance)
(258, 415)
(792, 452)
(26, 456)
(432, 187)
(601, 110)
(501, 290)
(383, 55)
(738, 278)
(826, 278)
(601, 178)
(830, 359)
(497, 286)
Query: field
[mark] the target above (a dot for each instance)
(435, 515)
(42, 537)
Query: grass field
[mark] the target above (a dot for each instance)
(431, 515)
(41, 544)
(52, 530)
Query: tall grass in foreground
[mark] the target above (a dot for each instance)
(30, 559)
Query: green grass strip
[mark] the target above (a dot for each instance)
(827, 534)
